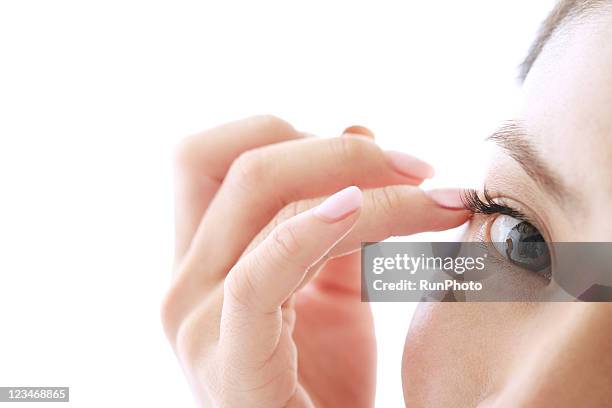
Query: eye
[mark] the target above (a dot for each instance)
(521, 243)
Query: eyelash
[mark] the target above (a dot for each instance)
(487, 206)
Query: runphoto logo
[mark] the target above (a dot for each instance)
(412, 264)
(473, 272)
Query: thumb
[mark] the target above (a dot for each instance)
(259, 284)
(268, 275)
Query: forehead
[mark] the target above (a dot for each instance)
(568, 103)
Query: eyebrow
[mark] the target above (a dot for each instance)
(513, 139)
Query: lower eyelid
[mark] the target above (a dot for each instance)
(478, 228)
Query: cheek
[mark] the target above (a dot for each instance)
(456, 354)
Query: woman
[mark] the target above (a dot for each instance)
(256, 222)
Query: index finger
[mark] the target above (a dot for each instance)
(397, 210)
(393, 211)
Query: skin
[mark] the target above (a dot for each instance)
(247, 239)
(540, 354)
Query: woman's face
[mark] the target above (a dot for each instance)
(535, 354)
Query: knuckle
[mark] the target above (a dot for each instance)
(185, 343)
(248, 169)
(182, 298)
(290, 210)
(294, 208)
(240, 288)
(286, 243)
(188, 152)
(386, 204)
(287, 212)
(192, 152)
(387, 200)
(350, 148)
(190, 346)
(271, 122)
(169, 312)
(198, 331)
(184, 153)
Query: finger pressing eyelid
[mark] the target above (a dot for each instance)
(387, 211)
(261, 182)
(394, 211)
(448, 197)
(398, 211)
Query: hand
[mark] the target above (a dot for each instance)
(247, 237)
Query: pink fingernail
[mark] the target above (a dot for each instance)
(409, 165)
(339, 205)
(358, 130)
(447, 197)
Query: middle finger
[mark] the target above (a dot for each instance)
(264, 180)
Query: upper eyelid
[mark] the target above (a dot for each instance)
(492, 205)
(476, 205)
(502, 208)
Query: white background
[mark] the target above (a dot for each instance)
(93, 95)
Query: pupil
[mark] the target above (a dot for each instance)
(527, 248)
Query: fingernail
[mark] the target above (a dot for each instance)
(339, 205)
(447, 197)
(409, 165)
(359, 130)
